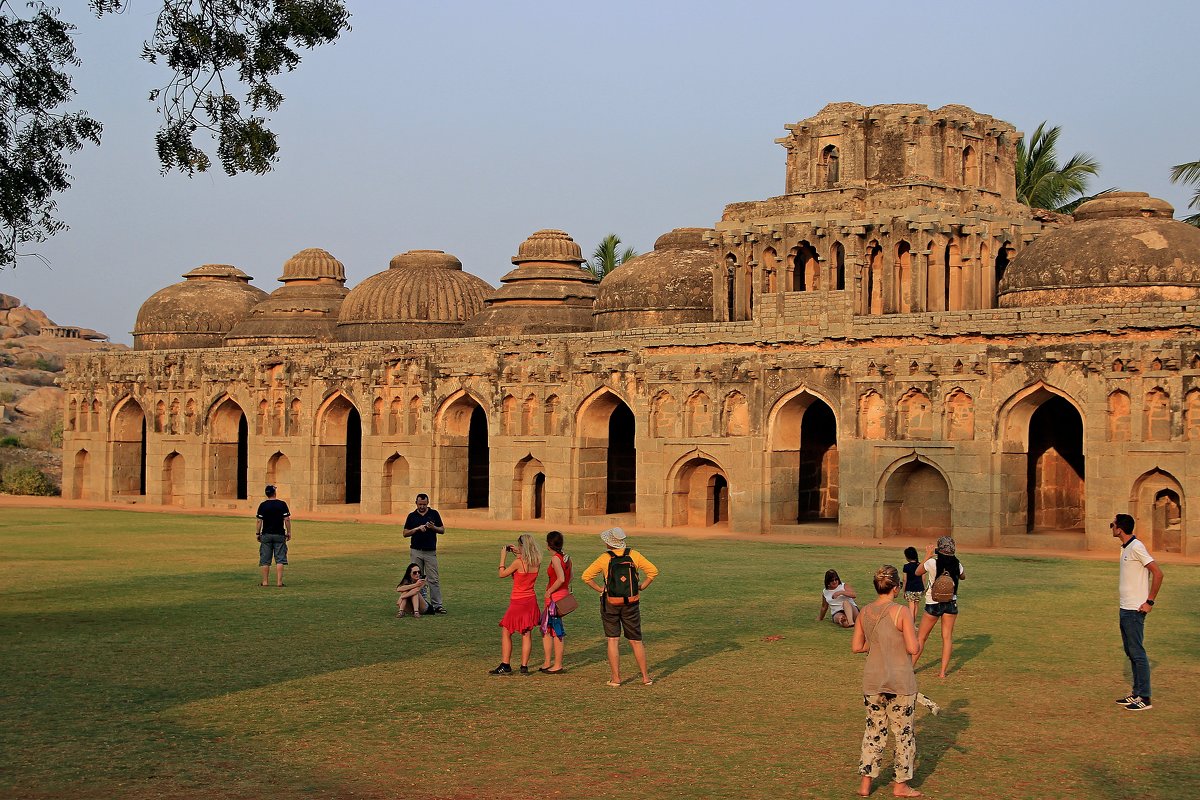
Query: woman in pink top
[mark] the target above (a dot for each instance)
(558, 586)
(522, 615)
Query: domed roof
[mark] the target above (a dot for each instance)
(424, 294)
(313, 263)
(1122, 247)
(671, 285)
(304, 309)
(549, 246)
(548, 292)
(198, 311)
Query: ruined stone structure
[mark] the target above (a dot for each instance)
(894, 346)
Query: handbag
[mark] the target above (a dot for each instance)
(566, 605)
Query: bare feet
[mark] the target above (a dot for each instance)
(647, 681)
(904, 790)
(864, 786)
(613, 684)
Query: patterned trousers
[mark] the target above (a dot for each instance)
(896, 712)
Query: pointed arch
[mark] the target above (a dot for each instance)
(462, 453)
(173, 480)
(127, 437)
(699, 491)
(279, 475)
(914, 499)
(394, 488)
(339, 451)
(1157, 503)
(605, 454)
(227, 449)
(802, 437)
(529, 489)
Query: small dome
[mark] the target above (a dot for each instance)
(671, 285)
(423, 294)
(304, 309)
(1122, 247)
(549, 246)
(425, 259)
(312, 264)
(197, 312)
(548, 292)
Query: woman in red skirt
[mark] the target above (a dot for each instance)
(523, 613)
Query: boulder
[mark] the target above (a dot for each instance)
(7, 301)
(9, 332)
(41, 401)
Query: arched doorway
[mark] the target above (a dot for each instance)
(803, 460)
(700, 495)
(606, 458)
(463, 455)
(916, 502)
(1055, 468)
(79, 477)
(172, 480)
(228, 449)
(128, 439)
(395, 485)
(339, 453)
(1157, 504)
(1042, 463)
(279, 475)
(529, 489)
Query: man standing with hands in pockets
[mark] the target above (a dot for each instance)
(423, 526)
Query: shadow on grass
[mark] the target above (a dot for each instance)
(597, 653)
(965, 649)
(938, 735)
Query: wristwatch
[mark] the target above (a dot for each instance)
(1149, 602)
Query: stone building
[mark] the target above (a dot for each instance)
(893, 346)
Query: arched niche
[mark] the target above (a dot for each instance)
(915, 501)
(463, 454)
(699, 493)
(605, 455)
(803, 459)
(339, 452)
(127, 439)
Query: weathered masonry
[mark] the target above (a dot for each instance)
(893, 346)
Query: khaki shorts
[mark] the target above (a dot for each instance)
(618, 619)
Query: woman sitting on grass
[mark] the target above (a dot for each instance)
(410, 588)
(523, 613)
(884, 631)
(838, 599)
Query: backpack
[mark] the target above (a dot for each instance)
(621, 585)
(942, 589)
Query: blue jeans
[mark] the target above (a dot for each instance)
(1133, 626)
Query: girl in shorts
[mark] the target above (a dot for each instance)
(914, 584)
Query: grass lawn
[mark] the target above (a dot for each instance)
(140, 659)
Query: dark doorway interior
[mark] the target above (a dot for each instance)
(622, 462)
(539, 495)
(142, 461)
(353, 456)
(1055, 477)
(243, 457)
(818, 464)
(478, 460)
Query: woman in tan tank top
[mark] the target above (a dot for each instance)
(884, 631)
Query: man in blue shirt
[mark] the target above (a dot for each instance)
(422, 527)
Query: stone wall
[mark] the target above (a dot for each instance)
(929, 422)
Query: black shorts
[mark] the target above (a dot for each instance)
(621, 618)
(938, 609)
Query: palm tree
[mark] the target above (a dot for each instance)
(607, 256)
(1042, 183)
(1189, 173)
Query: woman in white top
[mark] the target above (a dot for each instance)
(838, 598)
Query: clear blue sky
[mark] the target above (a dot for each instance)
(467, 126)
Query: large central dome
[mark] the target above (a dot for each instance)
(671, 285)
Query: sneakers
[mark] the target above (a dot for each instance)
(503, 669)
(1124, 701)
(1139, 704)
(524, 670)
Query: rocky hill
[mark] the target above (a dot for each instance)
(32, 351)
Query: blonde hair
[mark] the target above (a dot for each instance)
(529, 551)
(886, 579)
